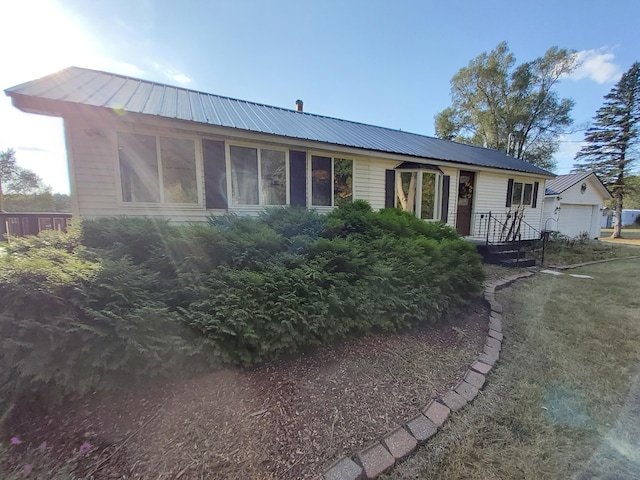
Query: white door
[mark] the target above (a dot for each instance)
(575, 219)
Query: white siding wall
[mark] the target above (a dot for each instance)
(95, 180)
(549, 213)
(369, 178)
(491, 194)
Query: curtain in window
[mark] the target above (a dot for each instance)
(138, 168)
(244, 175)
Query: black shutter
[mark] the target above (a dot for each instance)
(446, 182)
(298, 178)
(509, 192)
(215, 174)
(534, 200)
(389, 188)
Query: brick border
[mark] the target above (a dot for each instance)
(392, 447)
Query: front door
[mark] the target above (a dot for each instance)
(466, 184)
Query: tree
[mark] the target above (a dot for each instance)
(632, 192)
(510, 108)
(17, 180)
(611, 140)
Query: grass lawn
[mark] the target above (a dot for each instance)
(630, 236)
(574, 252)
(564, 400)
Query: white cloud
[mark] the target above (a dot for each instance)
(565, 156)
(178, 77)
(597, 65)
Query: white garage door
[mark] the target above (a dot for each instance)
(575, 219)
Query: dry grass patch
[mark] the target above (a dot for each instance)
(630, 236)
(564, 401)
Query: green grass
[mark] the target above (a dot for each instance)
(574, 252)
(564, 401)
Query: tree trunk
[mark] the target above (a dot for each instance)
(617, 224)
(618, 194)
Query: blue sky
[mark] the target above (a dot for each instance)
(379, 62)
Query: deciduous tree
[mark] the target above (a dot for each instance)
(17, 180)
(509, 107)
(611, 141)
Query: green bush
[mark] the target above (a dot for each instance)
(70, 324)
(127, 299)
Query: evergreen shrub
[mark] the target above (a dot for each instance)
(126, 299)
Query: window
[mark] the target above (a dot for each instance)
(522, 193)
(417, 192)
(157, 169)
(331, 181)
(258, 176)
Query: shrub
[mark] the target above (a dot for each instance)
(70, 324)
(137, 298)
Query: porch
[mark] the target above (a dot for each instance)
(506, 239)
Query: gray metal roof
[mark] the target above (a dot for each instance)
(557, 185)
(107, 90)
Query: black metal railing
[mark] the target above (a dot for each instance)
(493, 228)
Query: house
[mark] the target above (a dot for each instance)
(140, 148)
(573, 204)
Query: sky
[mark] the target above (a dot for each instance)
(386, 63)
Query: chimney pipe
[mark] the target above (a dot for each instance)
(299, 105)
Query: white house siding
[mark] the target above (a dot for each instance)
(95, 180)
(490, 195)
(369, 180)
(550, 214)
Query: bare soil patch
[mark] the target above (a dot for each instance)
(286, 419)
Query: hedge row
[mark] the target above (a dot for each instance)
(130, 298)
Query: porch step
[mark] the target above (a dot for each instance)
(515, 263)
(506, 255)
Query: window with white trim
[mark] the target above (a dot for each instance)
(331, 181)
(157, 169)
(417, 191)
(259, 176)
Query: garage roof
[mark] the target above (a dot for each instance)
(562, 183)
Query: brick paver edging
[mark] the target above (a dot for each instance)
(381, 455)
(593, 262)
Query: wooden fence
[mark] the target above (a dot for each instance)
(20, 224)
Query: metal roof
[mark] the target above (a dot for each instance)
(107, 90)
(557, 185)
(562, 183)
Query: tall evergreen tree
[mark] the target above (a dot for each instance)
(611, 141)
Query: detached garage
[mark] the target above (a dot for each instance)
(573, 204)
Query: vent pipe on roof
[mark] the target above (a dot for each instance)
(299, 105)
